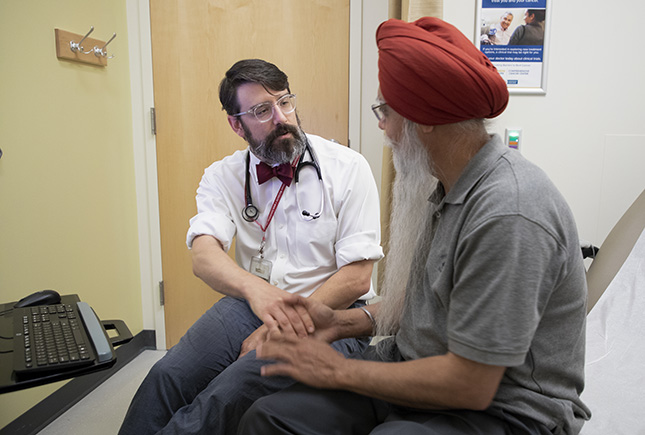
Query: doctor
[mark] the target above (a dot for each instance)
(304, 213)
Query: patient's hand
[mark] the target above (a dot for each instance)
(325, 320)
(306, 360)
(252, 341)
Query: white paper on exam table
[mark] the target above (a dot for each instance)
(615, 354)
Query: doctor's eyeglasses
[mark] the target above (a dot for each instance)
(264, 111)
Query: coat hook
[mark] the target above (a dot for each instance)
(102, 51)
(76, 46)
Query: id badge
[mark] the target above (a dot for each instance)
(261, 267)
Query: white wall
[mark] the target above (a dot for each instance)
(588, 131)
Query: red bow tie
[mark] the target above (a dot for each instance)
(283, 172)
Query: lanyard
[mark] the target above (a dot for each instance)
(278, 197)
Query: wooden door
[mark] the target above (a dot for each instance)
(193, 44)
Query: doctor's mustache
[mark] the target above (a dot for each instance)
(281, 129)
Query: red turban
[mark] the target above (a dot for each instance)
(430, 73)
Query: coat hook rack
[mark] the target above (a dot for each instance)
(68, 48)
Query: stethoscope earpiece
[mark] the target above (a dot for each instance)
(309, 215)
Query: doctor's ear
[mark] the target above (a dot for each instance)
(236, 125)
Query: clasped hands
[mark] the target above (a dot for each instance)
(306, 357)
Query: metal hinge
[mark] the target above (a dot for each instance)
(162, 296)
(153, 122)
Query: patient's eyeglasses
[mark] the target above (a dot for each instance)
(377, 108)
(264, 111)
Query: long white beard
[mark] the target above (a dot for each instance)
(412, 187)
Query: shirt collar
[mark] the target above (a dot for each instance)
(252, 162)
(478, 166)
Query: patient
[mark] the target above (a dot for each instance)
(489, 333)
(206, 382)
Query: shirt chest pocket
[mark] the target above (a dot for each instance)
(315, 242)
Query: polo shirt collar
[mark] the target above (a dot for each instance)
(478, 166)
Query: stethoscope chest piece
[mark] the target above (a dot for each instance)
(250, 213)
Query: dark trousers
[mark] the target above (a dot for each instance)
(200, 386)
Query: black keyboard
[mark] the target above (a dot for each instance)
(57, 338)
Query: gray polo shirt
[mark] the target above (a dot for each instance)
(503, 284)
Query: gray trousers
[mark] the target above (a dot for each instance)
(303, 410)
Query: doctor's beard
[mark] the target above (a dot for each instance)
(274, 151)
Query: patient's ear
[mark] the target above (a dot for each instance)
(236, 125)
(425, 129)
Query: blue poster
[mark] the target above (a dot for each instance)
(511, 33)
(514, 4)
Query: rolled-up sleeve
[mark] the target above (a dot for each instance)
(213, 216)
(359, 230)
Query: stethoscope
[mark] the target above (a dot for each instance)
(250, 212)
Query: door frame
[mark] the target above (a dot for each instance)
(364, 135)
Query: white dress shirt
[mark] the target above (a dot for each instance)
(304, 253)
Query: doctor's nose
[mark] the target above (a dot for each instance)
(278, 116)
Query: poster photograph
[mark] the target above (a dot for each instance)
(514, 35)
